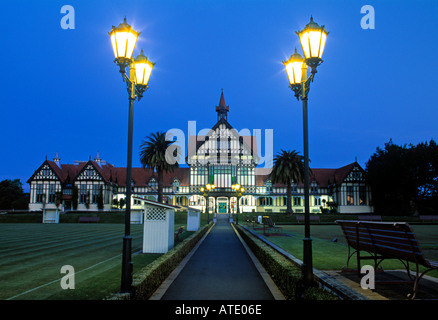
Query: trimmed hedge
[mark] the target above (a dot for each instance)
(286, 275)
(147, 280)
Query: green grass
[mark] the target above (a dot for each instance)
(328, 255)
(32, 255)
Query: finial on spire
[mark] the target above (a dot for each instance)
(222, 109)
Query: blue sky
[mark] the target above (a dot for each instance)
(61, 92)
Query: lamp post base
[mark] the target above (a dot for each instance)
(307, 268)
(127, 265)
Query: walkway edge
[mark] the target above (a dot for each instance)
(264, 274)
(325, 280)
(158, 294)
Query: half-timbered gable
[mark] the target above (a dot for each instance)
(350, 191)
(45, 184)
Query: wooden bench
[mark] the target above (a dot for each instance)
(89, 219)
(369, 218)
(386, 240)
(428, 218)
(178, 232)
(269, 225)
(314, 218)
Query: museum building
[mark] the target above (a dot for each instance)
(222, 157)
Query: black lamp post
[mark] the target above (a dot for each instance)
(205, 192)
(239, 191)
(312, 39)
(123, 39)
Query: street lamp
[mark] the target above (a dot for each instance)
(123, 40)
(205, 192)
(312, 38)
(239, 191)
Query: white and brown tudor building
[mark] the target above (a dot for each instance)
(222, 157)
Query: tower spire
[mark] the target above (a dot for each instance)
(222, 109)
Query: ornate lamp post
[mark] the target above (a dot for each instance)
(312, 38)
(205, 192)
(123, 40)
(239, 191)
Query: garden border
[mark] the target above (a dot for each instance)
(324, 281)
(146, 281)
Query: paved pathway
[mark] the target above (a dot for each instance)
(220, 269)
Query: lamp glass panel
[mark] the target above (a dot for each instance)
(294, 71)
(143, 72)
(123, 43)
(313, 43)
(323, 39)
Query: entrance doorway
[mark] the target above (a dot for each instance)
(222, 207)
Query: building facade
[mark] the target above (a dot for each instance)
(222, 157)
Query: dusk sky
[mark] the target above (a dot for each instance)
(61, 91)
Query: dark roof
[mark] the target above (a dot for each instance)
(117, 175)
(323, 177)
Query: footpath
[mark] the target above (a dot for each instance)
(219, 269)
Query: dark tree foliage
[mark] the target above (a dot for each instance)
(158, 154)
(404, 179)
(288, 167)
(12, 195)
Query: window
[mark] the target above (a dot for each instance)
(96, 191)
(317, 201)
(297, 201)
(153, 185)
(39, 194)
(350, 196)
(52, 191)
(83, 194)
(265, 201)
(268, 185)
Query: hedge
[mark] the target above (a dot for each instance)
(286, 275)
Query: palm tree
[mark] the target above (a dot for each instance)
(288, 167)
(155, 154)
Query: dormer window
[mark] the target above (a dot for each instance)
(268, 185)
(175, 185)
(153, 185)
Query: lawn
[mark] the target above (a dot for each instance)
(330, 255)
(32, 255)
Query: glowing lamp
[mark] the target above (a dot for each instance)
(143, 69)
(294, 68)
(123, 40)
(312, 39)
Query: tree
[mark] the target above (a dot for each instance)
(157, 154)
(75, 197)
(404, 179)
(12, 195)
(100, 204)
(122, 203)
(288, 167)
